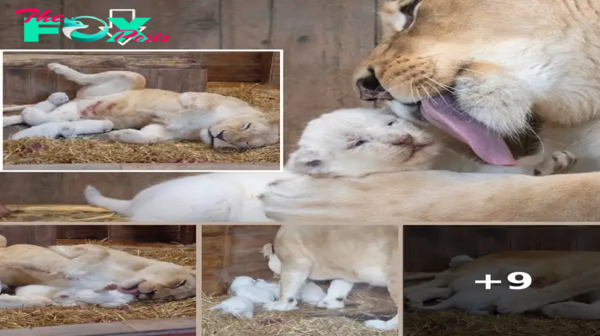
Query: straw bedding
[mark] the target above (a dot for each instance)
(459, 323)
(307, 320)
(92, 149)
(60, 213)
(53, 316)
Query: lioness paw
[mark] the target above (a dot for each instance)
(58, 68)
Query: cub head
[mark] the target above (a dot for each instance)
(357, 142)
(177, 283)
(58, 98)
(243, 131)
(475, 69)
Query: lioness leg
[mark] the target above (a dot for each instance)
(293, 275)
(150, 134)
(395, 289)
(564, 290)
(100, 84)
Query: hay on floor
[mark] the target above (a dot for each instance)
(307, 320)
(60, 213)
(457, 323)
(93, 149)
(54, 316)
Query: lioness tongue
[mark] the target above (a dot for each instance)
(443, 112)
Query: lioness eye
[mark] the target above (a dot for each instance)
(182, 283)
(247, 126)
(391, 122)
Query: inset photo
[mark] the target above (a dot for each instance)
(300, 280)
(142, 110)
(110, 279)
(501, 280)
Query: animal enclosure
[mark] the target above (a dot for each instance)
(35, 197)
(250, 76)
(429, 249)
(150, 242)
(229, 251)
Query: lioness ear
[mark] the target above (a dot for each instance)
(309, 162)
(398, 15)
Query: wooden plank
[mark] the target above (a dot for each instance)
(267, 67)
(189, 23)
(99, 60)
(246, 24)
(12, 25)
(41, 235)
(276, 70)
(588, 238)
(95, 232)
(319, 57)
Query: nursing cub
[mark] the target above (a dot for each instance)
(61, 275)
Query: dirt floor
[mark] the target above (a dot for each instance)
(95, 148)
(53, 316)
(458, 323)
(363, 304)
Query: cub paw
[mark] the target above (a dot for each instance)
(563, 161)
(337, 303)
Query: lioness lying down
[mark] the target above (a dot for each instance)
(484, 79)
(92, 274)
(233, 197)
(354, 254)
(565, 284)
(142, 115)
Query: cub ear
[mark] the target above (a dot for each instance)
(398, 15)
(309, 162)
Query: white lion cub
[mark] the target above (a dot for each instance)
(66, 129)
(349, 142)
(54, 100)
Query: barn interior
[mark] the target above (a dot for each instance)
(229, 251)
(250, 76)
(169, 243)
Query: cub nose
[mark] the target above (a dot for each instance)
(404, 140)
(370, 88)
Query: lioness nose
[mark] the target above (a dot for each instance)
(370, 88)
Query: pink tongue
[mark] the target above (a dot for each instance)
(133, 291)
(443, 112)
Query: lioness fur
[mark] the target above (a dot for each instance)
(92, 267)
(355, 254)
(565, 284)
(503, 61)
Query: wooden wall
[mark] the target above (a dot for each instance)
(42, 235)
(28, 80)
(229, 251)
(429, 248)
(183, 234)
(322, 40)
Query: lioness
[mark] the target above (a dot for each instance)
(568, 282)
(146, 115)
(91, 267)
(482, 70)
(367, 254)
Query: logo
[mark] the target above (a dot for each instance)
(126, 31)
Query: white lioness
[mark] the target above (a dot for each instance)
(88, 267)
(234, 197)
(567, 282)
(146, 115)
(355, 254)
(482, 78)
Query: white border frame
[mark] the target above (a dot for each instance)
(281, 112)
